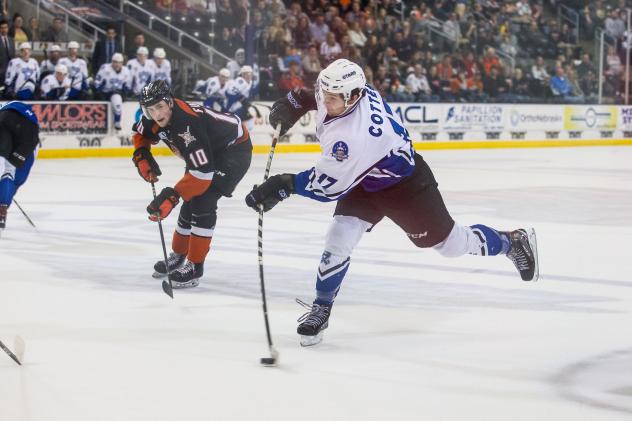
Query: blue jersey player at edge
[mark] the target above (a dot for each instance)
(19, 136)
(368, 165)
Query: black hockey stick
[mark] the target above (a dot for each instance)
(274, 354)
(166, 286)
(24, 213)
(18, 345)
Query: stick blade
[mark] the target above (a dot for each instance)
(166, 287)
(19, 347)
(271, 361)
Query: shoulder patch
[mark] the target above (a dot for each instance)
(340, 151)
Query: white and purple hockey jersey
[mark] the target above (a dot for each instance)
(367, 146)
(77, 69)
(22, 75)
(162, 72)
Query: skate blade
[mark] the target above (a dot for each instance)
(158, 275)
(311, 340)
(533, 242)
(189, 284)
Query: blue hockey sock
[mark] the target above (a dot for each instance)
(494, 242)
(7, 190)
(331, 272)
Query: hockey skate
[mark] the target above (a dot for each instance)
(188, 276)
(174, 261)
(3, 218)
(313, 323)
(524, 253)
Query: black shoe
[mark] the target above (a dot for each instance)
(174, 261)
(524, 253)
(313, 322)
(187, 276)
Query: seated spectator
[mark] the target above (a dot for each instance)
(330, 50)
(356, 35)
(319, 29)
(301, 33)
(495, 86)
(459, 87)
(291, 79)
(520, 86)
(475, 88)
(34, 29)
(585, 66)
(418, 85)
(56, 32)
(311, 65)
(613, 62)
(562, 88)
(490, 61)
(18, 32)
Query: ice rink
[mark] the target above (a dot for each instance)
(413, 335)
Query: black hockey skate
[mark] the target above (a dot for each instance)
(312, 323)
(524, 253)
(174, 261)
(187, 276)
(3, 217)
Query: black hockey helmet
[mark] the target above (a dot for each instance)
(153, 93)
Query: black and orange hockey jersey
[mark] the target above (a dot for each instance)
(196, 134)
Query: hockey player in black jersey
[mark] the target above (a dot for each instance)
(217, 152)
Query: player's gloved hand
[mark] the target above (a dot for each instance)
(146, 164)
(163, 204)
(287, 111)
(268, 194)
(17, 159)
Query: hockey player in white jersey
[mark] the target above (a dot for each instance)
(239, 93)
(112, 83)
(141, 70)
(58, 86)
(162, 66)
(48, 66)
(369, 166)
(22, 75)
(215, 90)
(77, 69)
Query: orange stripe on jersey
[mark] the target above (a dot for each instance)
(140, 141)
(190, 186)
(185, 107)
(244, 137)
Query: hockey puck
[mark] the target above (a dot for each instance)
(268, 361)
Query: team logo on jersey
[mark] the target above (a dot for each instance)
(187, 137)
(340, 151)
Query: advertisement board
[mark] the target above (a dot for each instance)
(590, 117)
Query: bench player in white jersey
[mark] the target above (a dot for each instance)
(22, 75)
(77, 69)
(369, 166)
(162, 66)
(47, 66)
(239, 93)
(112, 83)
(215, 90)
(58, 86)
(141, 70)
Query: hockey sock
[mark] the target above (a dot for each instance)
(331, 272)
(7, 189)
(180, 243)
(198, 248)
(492, 241)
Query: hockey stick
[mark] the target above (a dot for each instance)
(166, 286)
(274, 354)
(24, 213)
(18, 345)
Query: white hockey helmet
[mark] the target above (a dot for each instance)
(60, 68)
(342, 77)
(160, 53)
(25, 46)
(224, 72)
(118, 57)
(55, 48)
(142, 51)
(73, 44)
(245, 69)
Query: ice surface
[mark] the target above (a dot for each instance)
(413, 335)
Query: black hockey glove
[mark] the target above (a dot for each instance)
(268, 194)
(287, 111)
(16, 159)
(146, 165)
